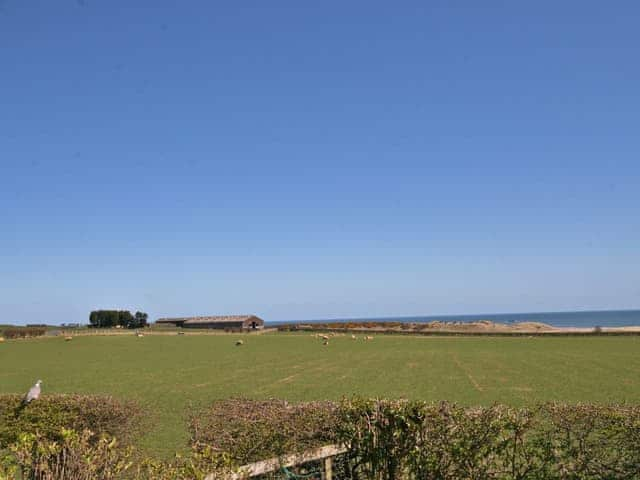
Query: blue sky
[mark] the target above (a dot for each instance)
(318, 159)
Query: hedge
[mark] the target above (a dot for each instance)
(252, 430)
(87, 456)
(410, 440)
(386, 439)
(49, 414)
(391, 440)
(23, 332)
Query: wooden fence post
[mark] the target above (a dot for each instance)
(328, 468)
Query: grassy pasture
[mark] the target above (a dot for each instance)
(171, 374)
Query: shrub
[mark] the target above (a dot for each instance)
(415, 440)
(23, 332)
(386, 440)
(86, 456)
(49, 414)
(74, 456)
(255, 430)
(202, 461)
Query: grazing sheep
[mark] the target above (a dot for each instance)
(324, 337)
(1, 339)
(68, 338)
(367, 338)
(239, 342)
(139, 335)
(353, 337)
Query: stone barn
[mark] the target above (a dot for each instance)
(220, 322)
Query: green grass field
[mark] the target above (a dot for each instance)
(170, 374)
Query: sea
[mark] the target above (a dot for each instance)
(601, 318)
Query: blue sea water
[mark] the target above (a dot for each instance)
(610, 318)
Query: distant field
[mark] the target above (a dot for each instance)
(169, 374)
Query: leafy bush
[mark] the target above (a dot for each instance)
(75, 456)
(50, 414)
(202, 461)
(386, 440)
(23, 332)
(86, 456)
(416, 440)
(255, 430)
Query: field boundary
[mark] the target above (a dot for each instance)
(448, 333)
(145, 332)
(274, 464)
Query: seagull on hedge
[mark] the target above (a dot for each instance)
(32, 394)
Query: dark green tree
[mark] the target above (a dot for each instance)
(125, 319)
(141, 319)
(112, 318)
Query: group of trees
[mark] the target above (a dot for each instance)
(114, 318)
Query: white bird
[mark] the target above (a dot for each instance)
(32, 394)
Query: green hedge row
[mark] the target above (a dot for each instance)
(387, 440)
(252, 430)
(87, 456)
(392, 440)
(409, 440)
(48, 415)
(76, 437)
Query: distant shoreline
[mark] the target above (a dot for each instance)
(483, 327)
(586, 319)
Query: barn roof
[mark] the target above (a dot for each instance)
(209, 319)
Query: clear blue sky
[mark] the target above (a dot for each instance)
(318, 159)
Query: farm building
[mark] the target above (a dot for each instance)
(220, 322)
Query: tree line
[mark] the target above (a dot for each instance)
(114, 318)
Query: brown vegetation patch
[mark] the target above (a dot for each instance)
(48, 415)
(23, 332)
(251, 430)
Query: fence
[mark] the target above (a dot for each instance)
(323, 456)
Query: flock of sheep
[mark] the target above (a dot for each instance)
(68, 338)
(34, 392)
(325, 337)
